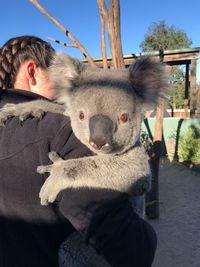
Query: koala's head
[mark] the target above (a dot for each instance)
(106, 106)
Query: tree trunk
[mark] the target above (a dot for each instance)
(112, 22)
(115, 5)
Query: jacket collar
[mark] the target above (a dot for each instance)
(17, 96)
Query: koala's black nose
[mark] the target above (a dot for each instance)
(101, 129)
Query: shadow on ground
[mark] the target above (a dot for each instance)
(178, 228)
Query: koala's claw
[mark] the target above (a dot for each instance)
(44, 169)
(38, 113)
(53, 156)
(50, 199)
(44, 201)
(4, 116)
(2, 122)
(24, 116)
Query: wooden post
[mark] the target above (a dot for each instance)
(193, 88)
(152, 198)
(198, 102)
(187, 85)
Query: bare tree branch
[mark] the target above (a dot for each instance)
(62, 43)
(66, 32)
(103, 43)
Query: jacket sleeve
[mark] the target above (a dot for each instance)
(108, 222)
(123, 237)
(105, 218)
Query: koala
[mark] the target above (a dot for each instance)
(106, 108)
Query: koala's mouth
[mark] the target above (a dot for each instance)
(104, 148)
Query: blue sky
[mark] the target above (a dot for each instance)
(81, 18)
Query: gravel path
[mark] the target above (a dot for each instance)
(178, 227)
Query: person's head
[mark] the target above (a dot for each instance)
(23, 65)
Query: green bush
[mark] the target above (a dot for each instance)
(189, 145)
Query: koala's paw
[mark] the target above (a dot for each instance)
(23, 111)
(56, 182)
(49, 190)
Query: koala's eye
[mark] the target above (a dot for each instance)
(81, 115)
(124, 117)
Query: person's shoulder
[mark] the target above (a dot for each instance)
(48, 126)
(54, 122)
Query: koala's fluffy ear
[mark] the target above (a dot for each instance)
(148, 79)
(63, 71)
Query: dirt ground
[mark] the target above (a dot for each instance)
(178, 228)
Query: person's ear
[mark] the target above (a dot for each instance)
(31, 72)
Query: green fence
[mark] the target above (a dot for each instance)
(173, 128)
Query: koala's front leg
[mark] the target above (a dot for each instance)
(35, 108)
(93, 172)
(64, 174)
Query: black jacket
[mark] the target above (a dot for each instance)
(30, 234)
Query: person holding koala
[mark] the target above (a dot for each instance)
(31, 234)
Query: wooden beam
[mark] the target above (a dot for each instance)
(176, 57)
(171, 59)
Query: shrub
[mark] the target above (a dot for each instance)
(189, 145)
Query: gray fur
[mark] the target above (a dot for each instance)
(120, 162)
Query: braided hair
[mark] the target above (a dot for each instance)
(18, 50)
